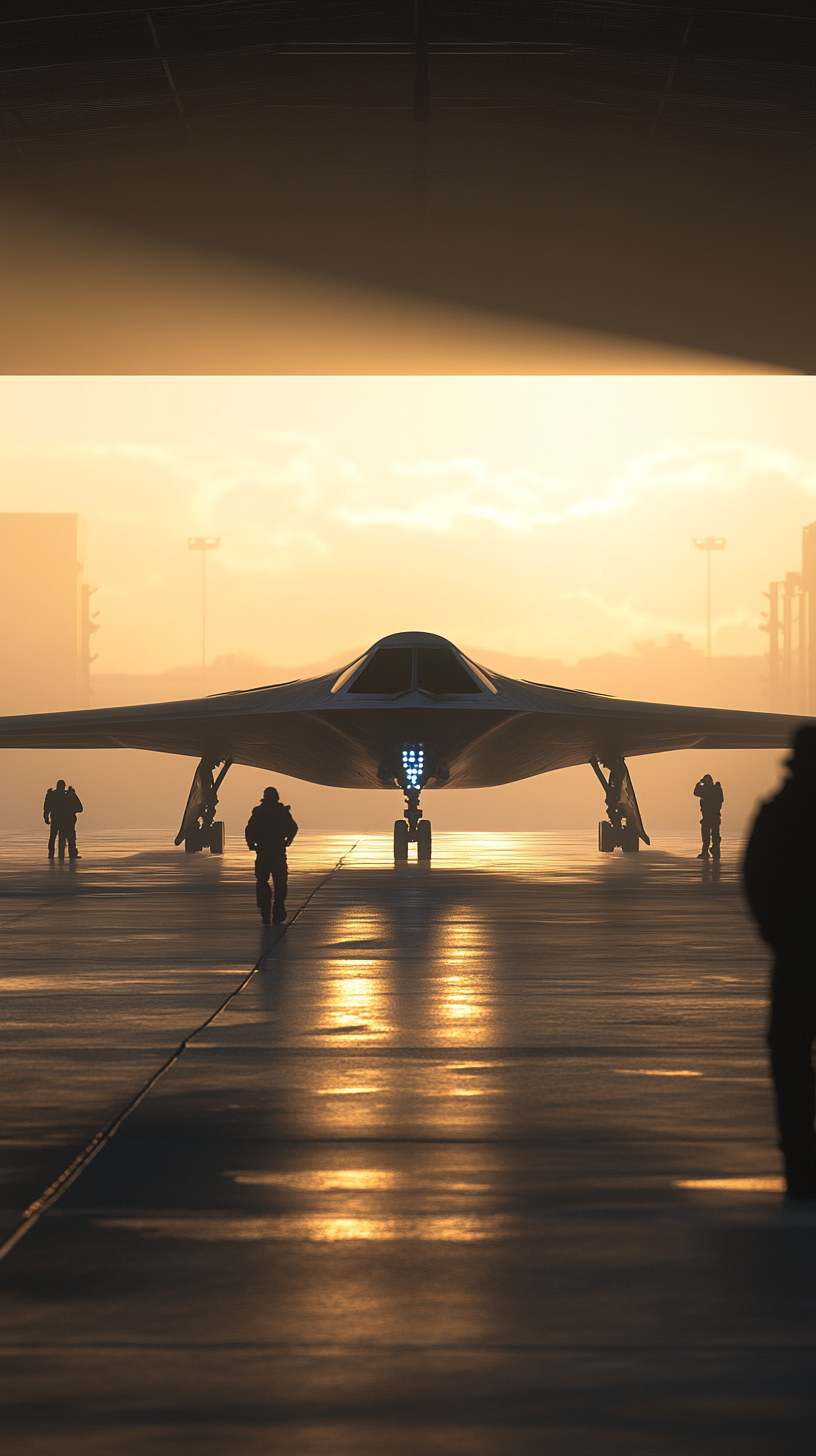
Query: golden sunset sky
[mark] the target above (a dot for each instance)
(548, 517)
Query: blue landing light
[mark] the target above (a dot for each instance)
(413, 767)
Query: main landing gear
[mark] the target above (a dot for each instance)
(623, 826)
(199, 828)
(412, 829)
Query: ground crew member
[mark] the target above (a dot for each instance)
(60, 809)
(711, 802)
(780, 876)
(269, 833)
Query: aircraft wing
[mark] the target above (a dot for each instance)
(475, 728)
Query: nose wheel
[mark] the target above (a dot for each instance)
(412, 829)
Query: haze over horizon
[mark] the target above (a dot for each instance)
(530, 520)
(546, 518)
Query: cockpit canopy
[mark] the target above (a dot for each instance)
(387, 671)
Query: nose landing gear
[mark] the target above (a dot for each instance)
(415, 831)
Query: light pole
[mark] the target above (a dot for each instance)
(203, 544)
(708, 544)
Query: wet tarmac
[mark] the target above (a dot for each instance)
(479, 1158)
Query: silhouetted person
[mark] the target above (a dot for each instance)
(269, 832)
(60, 809)
(711, 802)
(780, 878)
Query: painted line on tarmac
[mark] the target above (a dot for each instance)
(70, 1174)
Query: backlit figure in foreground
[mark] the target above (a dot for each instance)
(780, 878)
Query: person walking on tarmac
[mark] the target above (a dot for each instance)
(60, 809)
(711, 802)
(269, 833)
(780, 875)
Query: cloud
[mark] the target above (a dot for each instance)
(269, 495)
(281, 499)
(445, 494)
(274, 468)
(721, 465)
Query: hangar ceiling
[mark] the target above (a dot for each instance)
(645, 169)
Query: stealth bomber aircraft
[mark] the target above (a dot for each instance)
(413, 713)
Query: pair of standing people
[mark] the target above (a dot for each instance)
(60, 809)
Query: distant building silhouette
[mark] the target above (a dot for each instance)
(791, 627)
(45, 621)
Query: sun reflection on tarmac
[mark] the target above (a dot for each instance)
(353, 1000)
(652, 1072)
(377, 1180)
(317, 1228)
(463, 999)
(772, 1183)
(351, 1007)
(323, 1179)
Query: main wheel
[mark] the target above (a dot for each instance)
(424, 839)
(400, 839)
(606, 837)
(630, 839)
(218, 837)
(192, 843)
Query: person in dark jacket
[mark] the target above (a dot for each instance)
(711, 802)
(780, 880)
(269, 833)
(60, 808)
